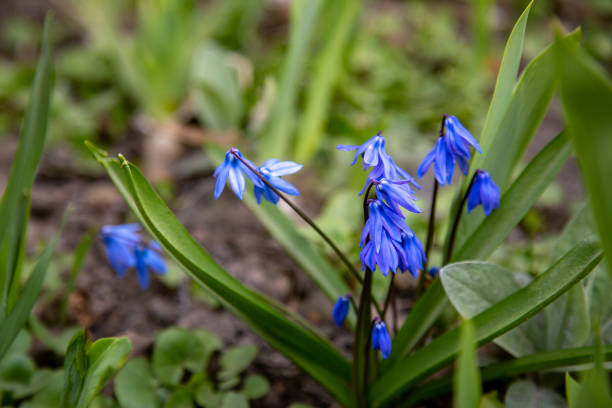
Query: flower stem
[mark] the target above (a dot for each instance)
(430, 238)
(453, 234)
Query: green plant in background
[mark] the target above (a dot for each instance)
(177, 351)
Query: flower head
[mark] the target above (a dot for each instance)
(125, 249)
(483, 191)
(382, 219)
(341, 309)
(396, 194)
(453, 146)
(234, 169)
(372, 151)
(272, 170)
(413, 254)
(380, 338)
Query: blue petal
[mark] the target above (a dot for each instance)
(283, 168)
(236, 179)
(427, 161)
(221, 180)
(141, 269)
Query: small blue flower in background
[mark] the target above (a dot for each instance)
(380, 338)
(119, 244)
(452, 147)
(483, 191)
(372, 151)
(341, 309)
(413, 254)
(234, 170)
(272, 170)
(433, 272)
(125, 249)
(396, 194)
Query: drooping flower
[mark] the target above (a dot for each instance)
(391, 171)
(380, 338)
(381, 219)
(125, 249)
(149, 257)
(484, 191)
(119, 244)
(396, 194)
(387, 259)
(341, 309)
(413, 254)
(372, 151)
(234, 169)
(272, 170)
(453, 146)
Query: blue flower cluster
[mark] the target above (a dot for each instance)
(236, 166)
(125, 249)
(453, 146)
(387, 242)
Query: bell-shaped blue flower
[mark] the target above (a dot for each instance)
(387, 259)
(382, 219)
(380, 338)
(149, 258)
(396, 194)
(483, 192)
(372, 151)
(412, 254)
(452, 147)
(272, 170)
(234, 169)
(119, 244)
(341, 309)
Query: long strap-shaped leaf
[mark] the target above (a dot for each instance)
(535, 362)
(515, 203)
(274, 323)
(493, 322)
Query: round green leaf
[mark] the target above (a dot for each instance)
(236, 359)
(177, 349)
(181, 398)
(135, 386)
(255, 386)
(234, 400)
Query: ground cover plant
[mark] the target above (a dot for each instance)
(550, 320)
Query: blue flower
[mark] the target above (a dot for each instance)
(382, 219)
(234, 169)
(272, 170)
(396, 194)
(452, 147)
(149, 257)
(341, 309)
(433, 272)
(380, 338)
(483, 191)
(387, 259)
(413, 254)
(372, 151)
(391, 171)
(119, 244)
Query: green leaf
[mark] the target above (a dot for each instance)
(575, 358)
(467, 375)
(234, 400)
(491, 323)
(235, 360)
(517, 200)
(255, 386)
(276, 133)
(205, 394)
(55, 342)
(11, 326)
(180, 398)
(14, 206)
(525, 394)
(49, 395)
(572, 389)
(586, 93)
(528, 105)
(284, 330)
(327, 70)
(135, 386)
(177, 349)
(76, 365)
(104, 358)
(16, 370)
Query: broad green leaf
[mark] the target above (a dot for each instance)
(135, 386)
(586, 93)
(595, 387)
(76, 365)
(275, 137)
(568, 358)
(517, 200)
(234, 400)
(491, 323)
(581, 226)
(49, 395)
(235, 360)
(282, 329)
(38, 381)
(177, 349)
(572, 389)
(255, 386)
(104, 358)
(525, 394)
(14, 206)
(473, 287)
(180, 398)
(11, 326)
(526, 109)
(15, 371)
(327, 70)
(467, 375)
(567, 320)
